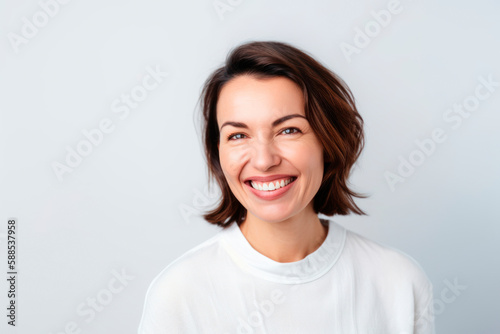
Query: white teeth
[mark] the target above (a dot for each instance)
(271, 185)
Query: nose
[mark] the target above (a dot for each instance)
(265, 155)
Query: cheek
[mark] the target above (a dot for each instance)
(308, 159)
(307, 156)
(231, 161)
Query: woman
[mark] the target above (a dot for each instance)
(281, 134)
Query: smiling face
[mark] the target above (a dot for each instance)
(265, 138)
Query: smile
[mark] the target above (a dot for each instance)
(272, 190)
(271, 186)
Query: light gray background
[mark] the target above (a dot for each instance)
(122, 207)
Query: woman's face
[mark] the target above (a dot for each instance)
(265, 137)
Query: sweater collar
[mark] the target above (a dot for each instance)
(308, 269)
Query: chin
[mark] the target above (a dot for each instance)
(272, 217)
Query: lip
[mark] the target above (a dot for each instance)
(273, 194)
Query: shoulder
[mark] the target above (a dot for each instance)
(186, 268)
(388, 263)
(392, 280)
(167, 307)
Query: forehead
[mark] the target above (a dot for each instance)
(246, 98)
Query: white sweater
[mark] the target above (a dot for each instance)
(348, 285)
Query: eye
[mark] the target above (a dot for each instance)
(290, 131)
(234, 135)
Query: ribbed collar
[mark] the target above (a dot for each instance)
(308, 269)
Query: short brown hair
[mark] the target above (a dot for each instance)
(329, 109)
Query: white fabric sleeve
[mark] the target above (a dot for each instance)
(165, 310)
(424, 312)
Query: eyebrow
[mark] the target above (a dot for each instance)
(275, 123)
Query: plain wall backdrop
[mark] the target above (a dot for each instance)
(101, 159)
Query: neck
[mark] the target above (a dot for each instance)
(288, 240)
